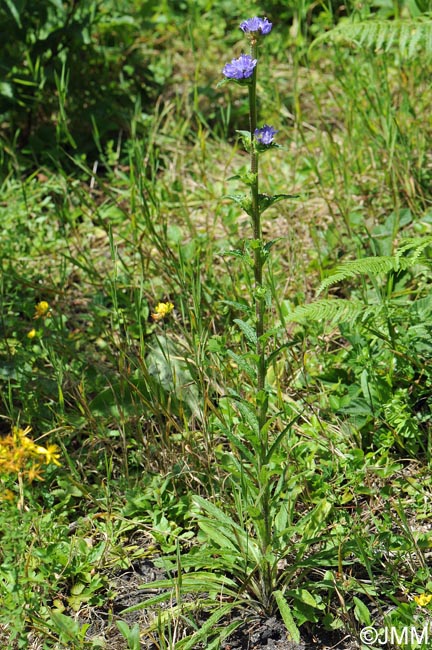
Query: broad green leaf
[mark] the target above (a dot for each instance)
(132, 635)
(167, 366)
(361, 612)
(306, 597)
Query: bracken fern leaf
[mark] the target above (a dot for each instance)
(365, 266)
(333, 310)
(408, 36)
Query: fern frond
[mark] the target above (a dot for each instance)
(415, 244)
(364, 266)
(327, 310)
(408, 36)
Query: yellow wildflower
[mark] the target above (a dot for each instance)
(21, 455)
(51, 454)
(42, 309)
(31, 334)
(423, 599)
(162, 309)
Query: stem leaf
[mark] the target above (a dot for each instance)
(247, 330)
(243, 364)
(265, 201)
(243, 201)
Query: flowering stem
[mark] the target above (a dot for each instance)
(258, 257)
(262, 402)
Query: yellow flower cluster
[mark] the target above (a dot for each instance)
(422, 599)
(162, 309)
(20, 455)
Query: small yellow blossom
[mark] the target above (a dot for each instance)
(31, 334)
(51, 453)
(162, 309)
(423, 599)
(42, 309)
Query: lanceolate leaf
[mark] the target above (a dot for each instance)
(265, 201)
(242, 364)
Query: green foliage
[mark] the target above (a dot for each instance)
(71, 74)
(306, 499)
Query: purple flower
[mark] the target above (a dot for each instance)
(256, 25)
(265, 135)
(241, 68)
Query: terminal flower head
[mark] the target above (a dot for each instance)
(265, 135)
(241, 68)
(162, 309)
(42, 309)
(254, 25)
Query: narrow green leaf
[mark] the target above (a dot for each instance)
(238, 444)
(205, 629)
(249, 415)
(14, 11)
(287, 617)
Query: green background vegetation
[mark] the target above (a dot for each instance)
(117, 152)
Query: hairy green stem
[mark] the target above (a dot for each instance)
(262, 403)
(258, 254)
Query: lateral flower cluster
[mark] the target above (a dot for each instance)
(241, 68)
(265, 135)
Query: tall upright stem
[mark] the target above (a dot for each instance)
(259, 327)
(258, 255)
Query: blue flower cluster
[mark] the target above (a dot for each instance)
(244, 66)
(265, 135)
(253, 25)
(241, 68)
